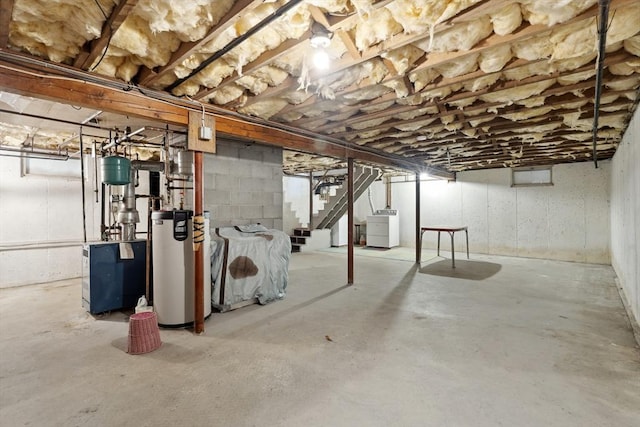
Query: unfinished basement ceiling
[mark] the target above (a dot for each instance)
(457, 85)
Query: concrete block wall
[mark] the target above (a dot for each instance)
(243, 184)
(567, 221)
(625, 215)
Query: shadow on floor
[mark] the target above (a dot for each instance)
(465, 269)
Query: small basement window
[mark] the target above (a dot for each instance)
(533, 176)
(51, 168)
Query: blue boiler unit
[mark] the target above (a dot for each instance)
(113, 275)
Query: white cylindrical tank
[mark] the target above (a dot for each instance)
(173, 267)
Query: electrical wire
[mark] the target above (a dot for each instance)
(101, 9)
(106, 48)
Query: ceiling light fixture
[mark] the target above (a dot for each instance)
(321, 60)
(320, 36)
(320, 40)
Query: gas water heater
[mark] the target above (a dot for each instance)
(174, 270)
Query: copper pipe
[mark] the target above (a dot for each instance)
(198, 178)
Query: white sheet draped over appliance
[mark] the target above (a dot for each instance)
(248, 262)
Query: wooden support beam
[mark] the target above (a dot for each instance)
(6, 11)
(126, 100)
(319, 16)
(349, 44)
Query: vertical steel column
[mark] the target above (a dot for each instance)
(198, 178)
(84, 204)
(350, 221)
(418, 233)
(388, 193)
(310, 200)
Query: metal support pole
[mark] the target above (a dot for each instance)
(418, 233)
(350, 221)
(147, 289)
(453, 249)
(198, 178)
(84, 203)
(310, 200)
(388, 192)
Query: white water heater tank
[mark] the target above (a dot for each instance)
(173, 267)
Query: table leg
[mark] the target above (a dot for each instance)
(453, 251)
(467, 234)
(438, 243)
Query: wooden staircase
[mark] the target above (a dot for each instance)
(336, 207)
(318, 235)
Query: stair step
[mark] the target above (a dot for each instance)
(305, 232)
(307, 242)
(334, 210)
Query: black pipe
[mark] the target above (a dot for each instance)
(147, 165)
(154, 189)
(103, 225)
(95, 168)
(602, 44)
(235, 42)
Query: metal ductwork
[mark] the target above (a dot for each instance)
(128, 214)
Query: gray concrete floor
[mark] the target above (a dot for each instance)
(498, 341)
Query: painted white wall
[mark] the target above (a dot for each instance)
(295, 209)
(566, 221)
(41, 225)
(625, 214)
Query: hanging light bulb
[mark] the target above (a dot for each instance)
(320, 41)
(320, 36)
(321, 59)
